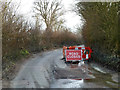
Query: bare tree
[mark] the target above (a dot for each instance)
(50, 12)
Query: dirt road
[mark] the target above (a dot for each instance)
(47, 70)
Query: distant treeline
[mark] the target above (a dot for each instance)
(101, 31)
(19, 38)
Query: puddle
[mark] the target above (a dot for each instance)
(98, 69)
(70, 83)
(102, 78)
(83, 76)
(67, 83)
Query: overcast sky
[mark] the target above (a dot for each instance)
(72, 20)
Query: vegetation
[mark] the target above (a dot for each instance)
(49, 12)
(100, 30)
(20, 39)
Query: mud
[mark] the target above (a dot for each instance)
(85, 76)
(47, 70)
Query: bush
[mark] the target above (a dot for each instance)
(24, 52)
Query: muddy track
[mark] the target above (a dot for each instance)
(47, 70)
